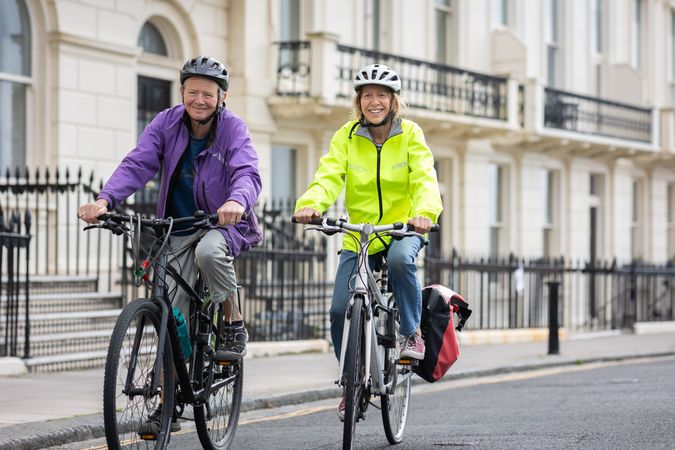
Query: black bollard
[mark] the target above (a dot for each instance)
(553, 341)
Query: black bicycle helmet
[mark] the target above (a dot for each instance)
(205, 66)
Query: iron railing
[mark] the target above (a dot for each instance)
(15, 284)
(293, 68)
(512, 293)
(428, 85)
(595, 116)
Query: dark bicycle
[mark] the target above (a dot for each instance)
(141, 395)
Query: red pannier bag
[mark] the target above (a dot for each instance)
(439, 304)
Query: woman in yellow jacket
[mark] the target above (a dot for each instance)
(387, 171)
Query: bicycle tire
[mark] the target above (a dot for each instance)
(394, 405)
(354, 372)
(217, 420)
(123, 415)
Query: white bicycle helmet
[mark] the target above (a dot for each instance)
(377, 74)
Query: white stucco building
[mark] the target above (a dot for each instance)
(551, 121)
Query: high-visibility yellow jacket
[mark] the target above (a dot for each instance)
(394, 184)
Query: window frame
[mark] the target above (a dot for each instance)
(25, 81)
(552, 43)
(449, 51)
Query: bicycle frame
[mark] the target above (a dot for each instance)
(200, 341)
(372, 299)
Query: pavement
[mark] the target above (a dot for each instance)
(39, 410)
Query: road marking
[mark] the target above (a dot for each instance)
(467, 382)
(296, 413)
(529, 374)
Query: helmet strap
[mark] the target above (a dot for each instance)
(214, 113)
(364, 123)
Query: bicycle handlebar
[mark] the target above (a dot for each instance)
(114, 221)
(344, 224)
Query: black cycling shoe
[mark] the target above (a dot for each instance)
(233, 347)
(149, 430)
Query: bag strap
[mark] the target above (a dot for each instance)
(462, 310)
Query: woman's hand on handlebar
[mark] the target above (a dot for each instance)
(306, 215)
(90, 212)
(421, 224)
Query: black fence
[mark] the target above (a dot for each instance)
(591, 115)
(512, 292)
(14, 286)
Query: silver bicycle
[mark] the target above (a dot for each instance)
(370, 363)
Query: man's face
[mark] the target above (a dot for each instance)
(200, 97)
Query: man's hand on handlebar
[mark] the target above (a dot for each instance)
(306, 215)
(90, 212)
(230, 213)
(421, 224)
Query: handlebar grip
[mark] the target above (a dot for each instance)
(315, 221)
(435, 227)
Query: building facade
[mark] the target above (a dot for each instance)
(551, 121)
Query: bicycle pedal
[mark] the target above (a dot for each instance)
(224, 363)
(148, 437)
(408, 362)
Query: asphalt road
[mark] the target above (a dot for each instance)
(624, 405)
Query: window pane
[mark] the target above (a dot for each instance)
(672, 45)
(445, 3)
(441, 37)
(290, 20)
(495, 193)
(600, 26)
(15, 34)
(12, 125)
(151, 40)
(552, 66)
(283, 173)
(499, 11)
(154, 96)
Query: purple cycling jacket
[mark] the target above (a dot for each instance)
(226, 170)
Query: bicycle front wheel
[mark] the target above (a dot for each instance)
(398, 379)
(135, 415)
(217, 419)
(354, 368)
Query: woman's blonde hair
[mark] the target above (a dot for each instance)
(397, 105)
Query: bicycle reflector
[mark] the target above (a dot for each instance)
(142, 271)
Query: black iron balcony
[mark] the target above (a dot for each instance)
(320, 72)
(590, 115)
(427, 86)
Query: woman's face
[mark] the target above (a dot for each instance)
(375, 102)
(200, 97)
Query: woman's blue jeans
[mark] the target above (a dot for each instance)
(401, 258)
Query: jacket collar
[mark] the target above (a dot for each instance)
(396, 128)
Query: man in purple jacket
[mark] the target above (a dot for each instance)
(207, 162)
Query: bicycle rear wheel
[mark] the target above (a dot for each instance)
(354, 369)
(217, 419)
(134, 415)
(398, 379)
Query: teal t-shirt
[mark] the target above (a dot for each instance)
(181, 199)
